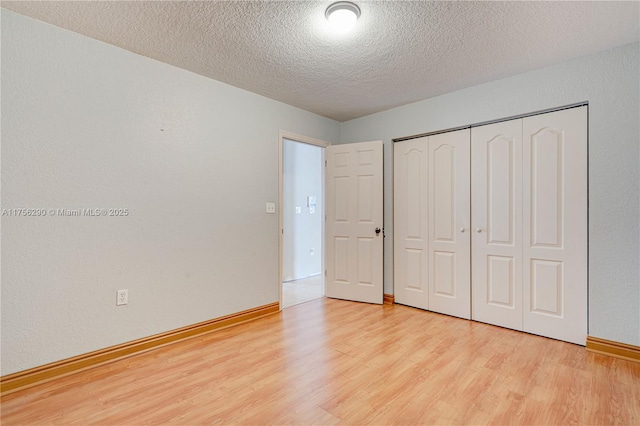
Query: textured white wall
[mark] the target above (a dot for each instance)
(89, 125)
(302, 177)
(609, 82)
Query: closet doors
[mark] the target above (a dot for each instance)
(431, 223)
(529, 203)
(522, 256)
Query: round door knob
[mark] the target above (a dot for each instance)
(461, 229)
(478, 230)
(378, 231)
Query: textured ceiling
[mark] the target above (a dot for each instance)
(399, 52)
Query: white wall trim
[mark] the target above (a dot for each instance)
(303, 139)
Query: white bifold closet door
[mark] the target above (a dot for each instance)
(449, 220)
(554, 241)
(410, 223)
(431, 223)
(496, 198)
(529, 204)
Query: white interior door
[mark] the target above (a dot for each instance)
(449, 221)
(410, 223)
(555, 224)
(354, 208)
(496, 176)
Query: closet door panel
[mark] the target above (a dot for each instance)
(449, 219)
(555, 224)
(410, 223)
(496, 176)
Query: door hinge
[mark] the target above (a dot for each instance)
(325, 272)
(325, 163)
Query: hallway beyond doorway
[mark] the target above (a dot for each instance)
(302, 290)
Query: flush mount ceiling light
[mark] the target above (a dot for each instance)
(342, 16)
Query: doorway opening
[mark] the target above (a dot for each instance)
(301, 219)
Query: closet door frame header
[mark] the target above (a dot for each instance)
(499, 120)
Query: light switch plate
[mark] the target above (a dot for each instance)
(271, 208)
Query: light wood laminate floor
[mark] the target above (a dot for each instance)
(337, 362)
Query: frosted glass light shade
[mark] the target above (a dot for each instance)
(342, 16)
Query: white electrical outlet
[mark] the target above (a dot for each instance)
(271, 208)
(122, 297)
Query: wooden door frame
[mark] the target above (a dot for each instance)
(309, 141)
